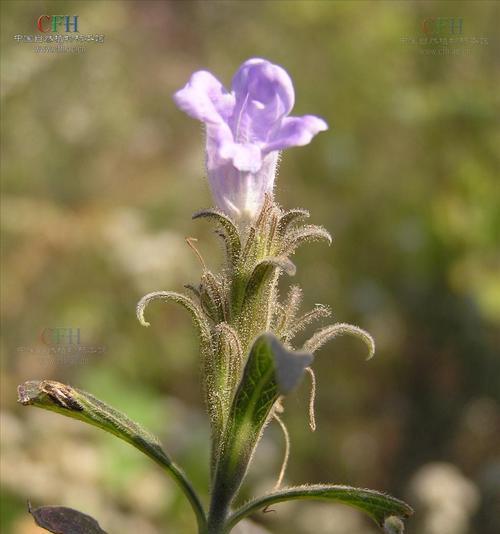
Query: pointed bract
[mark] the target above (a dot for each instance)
(329, 332)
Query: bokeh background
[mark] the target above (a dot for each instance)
(100, 174)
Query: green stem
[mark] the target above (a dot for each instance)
(219, 510)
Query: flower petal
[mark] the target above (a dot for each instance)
(264, 95)
(295, 131)
(205, 98)
(245, 157)
(241, 194)
(263, 81)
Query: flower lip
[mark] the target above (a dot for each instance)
(246, 157)
(264, 92)
(205, 98)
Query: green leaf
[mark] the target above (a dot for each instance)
(271, 370)
(253, 289)
(300, 323)
(202, 323)
(196, 313)
(224, 372)
(304, 234)
(62, 520)
(291, 217)
(268, 209)
(248, 250)
(285, 313)
(230, 232)
(327, 333)
(264, 270)
(212, 297)
(383, 509)
(231, 356)
(83, 406)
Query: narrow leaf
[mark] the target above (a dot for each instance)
(285, 313)
(62, 520)
(264, 270)
(305, 234)
(270, 371)
(291, 217)
(320, 311)
(83, 406)
(229, 345)
(271, 233)
(267, 209)
(377, 505)
(329, 332)
(212, 297)
(194, 289)
(248, 250)
(230, 230)
(185, 301)
(223, 372)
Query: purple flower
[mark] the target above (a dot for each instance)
(246, 129)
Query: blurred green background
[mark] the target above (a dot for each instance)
(100, 174)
